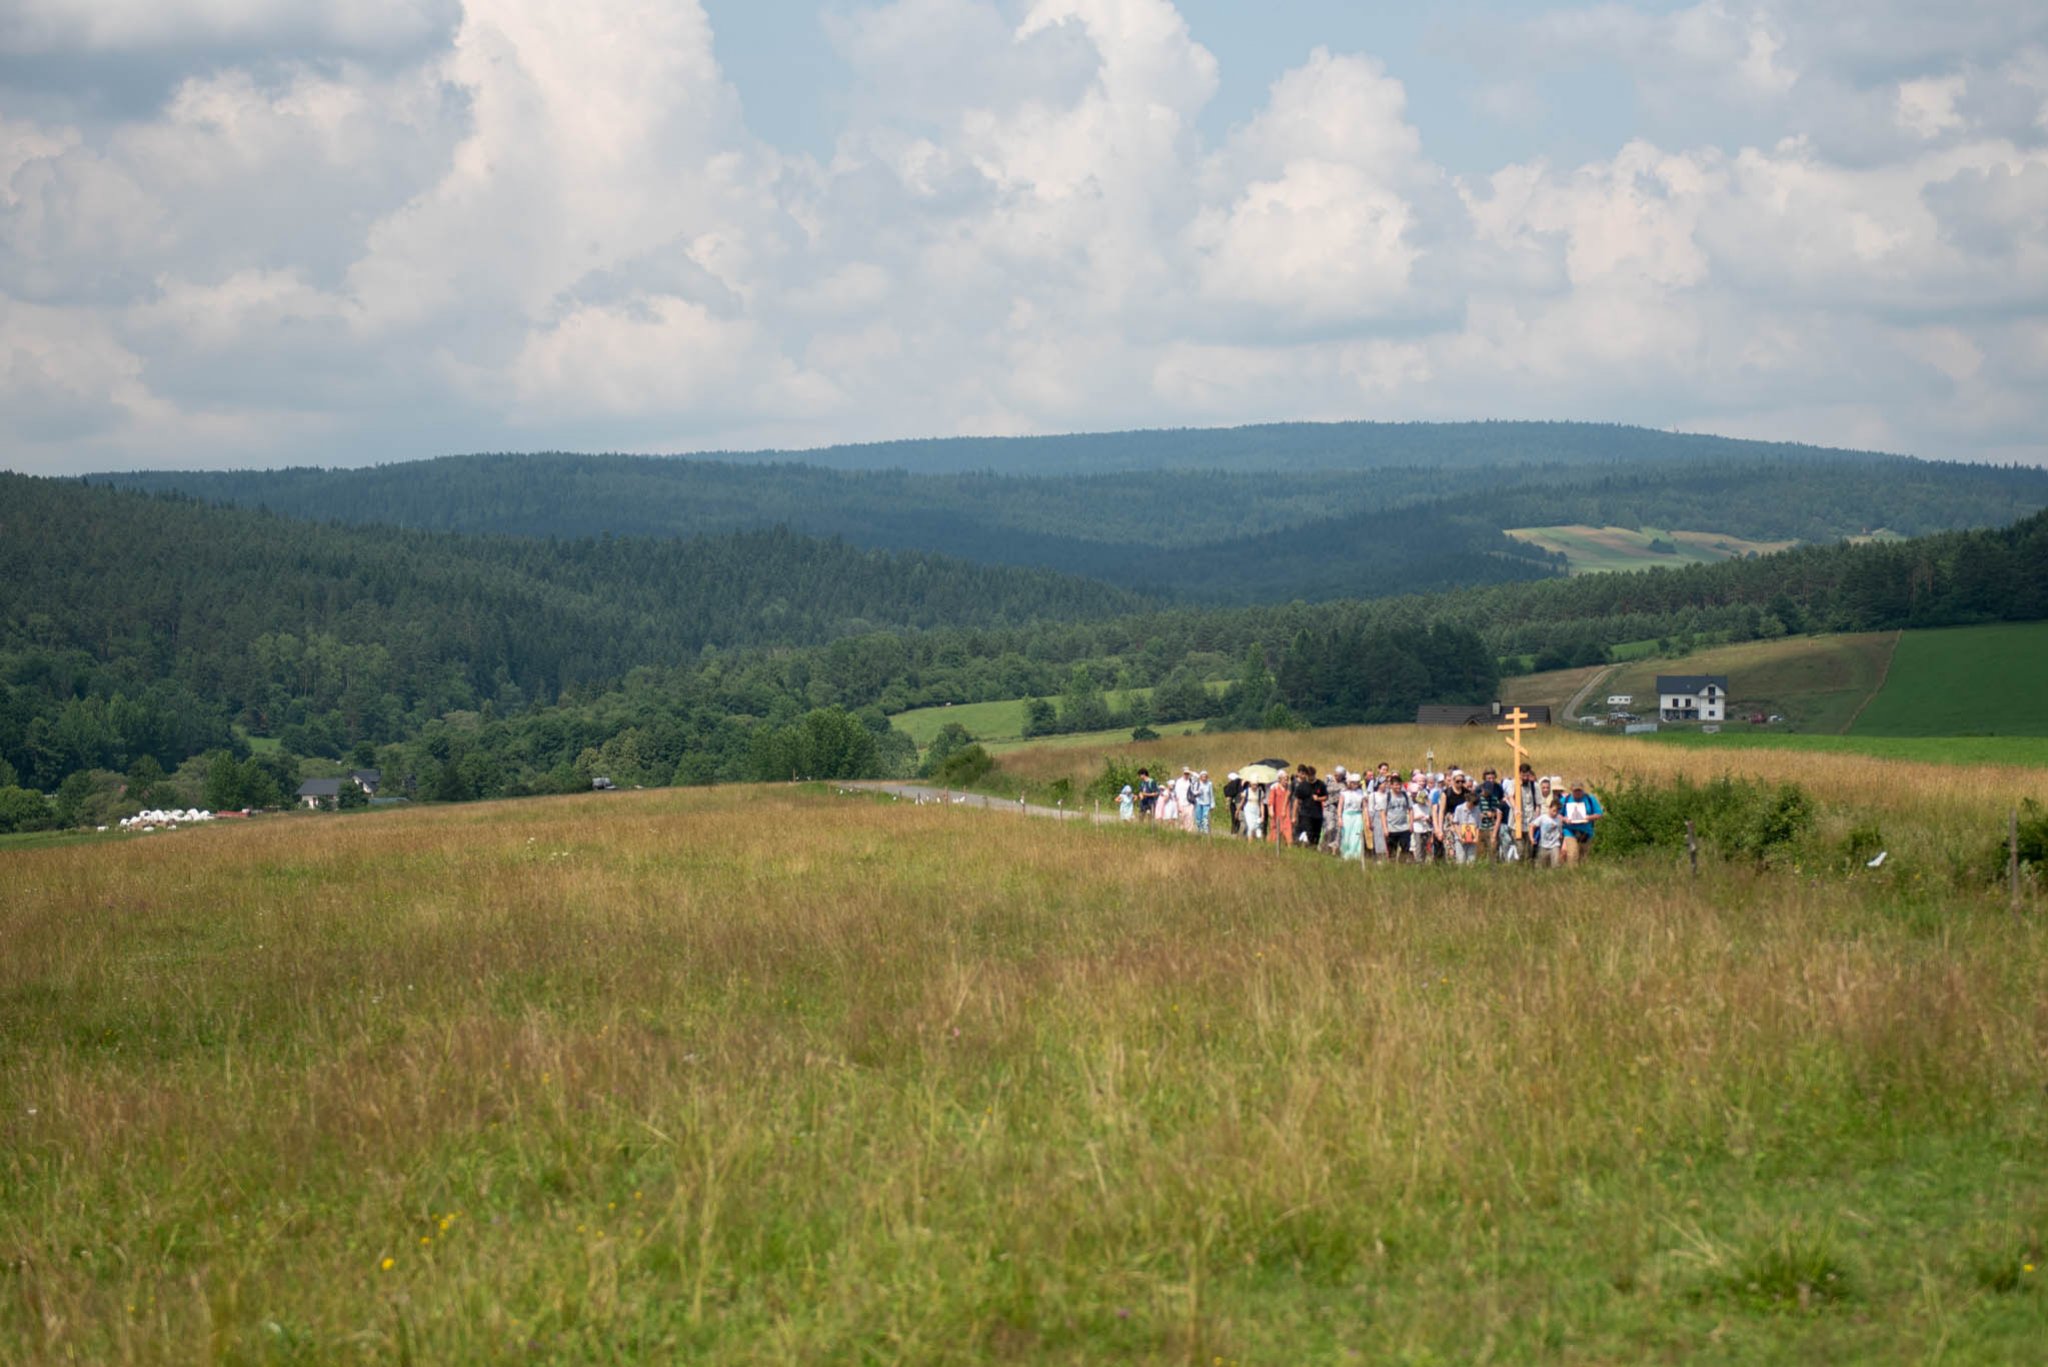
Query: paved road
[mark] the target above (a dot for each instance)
(918, 792)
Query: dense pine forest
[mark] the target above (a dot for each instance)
(1210, 535)
(145, 639)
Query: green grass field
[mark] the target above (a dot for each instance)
(1593, 550)
(2022, 750)
(771, 1075)
(1964, 681)
(999, 721)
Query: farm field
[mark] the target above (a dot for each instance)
(1964, 681)
(1592, 550)
(779, 1075)
(998, 721)
(2006, 750)
(1816, 682)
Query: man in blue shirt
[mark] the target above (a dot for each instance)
(1581, 810)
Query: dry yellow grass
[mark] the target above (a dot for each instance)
(768, 1075)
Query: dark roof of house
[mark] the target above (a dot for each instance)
(320, 787)
(1465, 714)
(1690, 683)
(369, 776)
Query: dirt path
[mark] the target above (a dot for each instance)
(1571, 709)
(1882, 675)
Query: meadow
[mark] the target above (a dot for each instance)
(783, 1075)
(1594, 550)
(1817, 683)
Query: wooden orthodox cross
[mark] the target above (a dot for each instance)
(1517, 722)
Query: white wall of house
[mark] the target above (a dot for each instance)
(1710, 704)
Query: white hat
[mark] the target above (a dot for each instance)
(1233, 773)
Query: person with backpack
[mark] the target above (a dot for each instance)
(1493, 813)
(1581, 812)
(1398, 817)
(1233, 800)
(1148, 794)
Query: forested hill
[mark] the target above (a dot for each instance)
(1295, 446)
(105, 591)
(1212, 536)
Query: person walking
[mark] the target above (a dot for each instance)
(1548, 835)
(1148, 795)
(1332, 805)
(1464, 829)
(1281, 818)
(1581, 813)
(1309, 794)
(1205, 801)
(1351, 819)
(1254, 804)
(1398, 818)
(1233, 800)
(1126, 805)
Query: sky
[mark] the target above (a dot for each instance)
(259, 232)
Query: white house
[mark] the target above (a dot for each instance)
(1692, 697)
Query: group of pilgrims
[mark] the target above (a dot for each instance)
(1423, 817)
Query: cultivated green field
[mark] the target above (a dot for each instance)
(779, 1076)
(1000, 721)
(2019, 750)
(1964, 681)
(1593, 550)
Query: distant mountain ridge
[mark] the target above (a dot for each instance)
(1233, 531)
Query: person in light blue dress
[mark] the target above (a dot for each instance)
(1125, 810)
(1351, 819)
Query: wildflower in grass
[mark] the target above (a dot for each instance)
(387, 1264)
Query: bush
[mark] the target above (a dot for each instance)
(23, 809)
(965, 767)
(1735, 818)
(1144, 733)
(2033, 844)
(1117, 770)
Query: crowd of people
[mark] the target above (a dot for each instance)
(1422, 817)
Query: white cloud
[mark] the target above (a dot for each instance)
(519, 224)
(1927, 107)
(45, 27)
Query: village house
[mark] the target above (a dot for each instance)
(366, 779)
(320, 792)
(1692, 697)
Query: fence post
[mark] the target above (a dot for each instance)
(1692, 849)
(2012, 856)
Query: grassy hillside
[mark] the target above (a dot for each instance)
(1815, 682)
(1595, 549)
(761, 1075)
(1964, 681)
